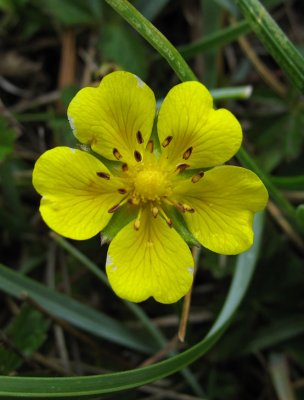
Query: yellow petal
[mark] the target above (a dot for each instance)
(202, 136)
(225, 200)
(151, 261)
(75, 199)
(109, 117)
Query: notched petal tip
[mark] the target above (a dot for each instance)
(158, 268)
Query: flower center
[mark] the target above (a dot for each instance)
(151, 184)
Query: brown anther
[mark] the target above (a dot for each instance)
(136, 224)
(195, 178)
(167, 141)
(169, 222)
(103, 175)
(150, 146)
(124, 167)
(114, 208)
(122, 191)
(181, 167)
(137, 156)
(117, 154)
(139, 137)
(188, 208)
(155, 211)
(187, 153)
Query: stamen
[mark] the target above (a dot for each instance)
(124, 167)
(114, 208)
(103, 175)
(118, 205)
(137, 221)
(180, 206)
(195, 178)
(150, 146)
(139, 137)
(122, 191)
(181, 167)
(166, 218)
(167, 141)
(137, 156)
(188, 208)
(154, 211)
(117, 154)
(187, 153)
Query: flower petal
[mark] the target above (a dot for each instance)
(75, 199)
(210, 137)
(153, 261)
(224, 200)
(109, 117)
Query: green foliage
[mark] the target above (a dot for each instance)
(121, 46)
(253, 348)
(7, 139)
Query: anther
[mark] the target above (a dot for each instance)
(169, 222)
(187, 153)
(122, 191)
(150, 146)
(181, 167)
(114, 208)
(136, 224)
(188, 208)
(139, 137)
(103, 175)
(195, 178)
(137, 156)
(118, 205)
(167, 141)
(117, 154)
(124, 167)
(155, 211)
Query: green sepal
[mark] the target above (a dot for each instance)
(120, 219)
(180, 226)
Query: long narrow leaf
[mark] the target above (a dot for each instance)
(72, 311)
(90, 386)
(275, 41)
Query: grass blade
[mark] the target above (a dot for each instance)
(90, 386)
(72, 311)
(275, 41)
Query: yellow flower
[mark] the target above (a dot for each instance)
(80, 194)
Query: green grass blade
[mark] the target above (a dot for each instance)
(70, 310)
(228, 93)
(154, 37)
(275, 41)
(216, 39)
(288, 182)
(90, 386)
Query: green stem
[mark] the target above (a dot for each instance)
(154, 37)
(216, 39)
(289, 182)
